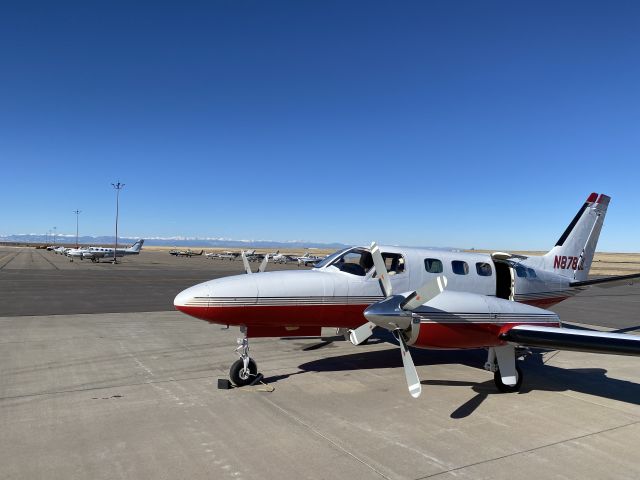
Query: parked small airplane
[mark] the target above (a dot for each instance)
(229, 255)
(308, 259)
(95, 254)
(76, 253)
(186, 253)
(449, 300)
(282, 258)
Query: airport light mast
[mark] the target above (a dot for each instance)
(77, 212)
(118, 186)
(54, 235)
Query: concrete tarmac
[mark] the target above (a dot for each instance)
(38, 282)
(134, 394)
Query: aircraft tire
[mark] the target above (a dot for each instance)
(235, 373)
(497, 379)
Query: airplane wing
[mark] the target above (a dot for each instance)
(608, 282)
(573, 339)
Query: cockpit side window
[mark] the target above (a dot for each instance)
(394, 263)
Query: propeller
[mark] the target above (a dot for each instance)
(395, 313)
(360, 334)
(263, 264)
(247, 267)
(381, 270)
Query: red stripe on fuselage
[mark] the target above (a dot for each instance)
(346, 316)
(432, 334)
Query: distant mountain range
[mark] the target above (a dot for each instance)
(167, 242)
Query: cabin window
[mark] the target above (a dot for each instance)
(525, 272)
(459, 267)
(483, 269)
(433, 265)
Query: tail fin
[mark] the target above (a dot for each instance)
(573, 253)
(136, 247)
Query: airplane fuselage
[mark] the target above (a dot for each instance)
(302, 302)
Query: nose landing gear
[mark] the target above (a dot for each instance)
(244, 370)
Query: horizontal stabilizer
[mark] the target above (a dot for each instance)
(608, 282)
(576, 340)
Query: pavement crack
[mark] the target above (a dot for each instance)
(89, 389)
(326, 438)
(540, 447)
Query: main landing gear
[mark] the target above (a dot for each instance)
(507, 375)
(244, 370)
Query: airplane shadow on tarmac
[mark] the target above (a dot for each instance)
(538, 375)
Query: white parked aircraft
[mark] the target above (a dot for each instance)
(444, 300)
(76, 253)
(97, 253)
(308, 259)
(282, 258)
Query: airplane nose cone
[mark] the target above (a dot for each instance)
(193, 297)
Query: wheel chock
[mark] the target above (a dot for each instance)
(224, 384)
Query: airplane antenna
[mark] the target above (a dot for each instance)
(77, 212)
(118, 186)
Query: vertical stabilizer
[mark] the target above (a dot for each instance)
(136, 247)
(573, 253)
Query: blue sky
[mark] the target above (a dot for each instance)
(465, 123)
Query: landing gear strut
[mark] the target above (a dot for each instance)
(507, 375)
(244, 370)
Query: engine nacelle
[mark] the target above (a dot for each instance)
(468, 320)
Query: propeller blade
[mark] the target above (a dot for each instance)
(263, 265)
(361, 333)
(247, 268)
(413, 381)
(381, 270)
(426, 292)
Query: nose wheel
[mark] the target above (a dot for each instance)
(241, 375)
(244, 370)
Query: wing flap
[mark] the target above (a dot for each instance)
(576, 340)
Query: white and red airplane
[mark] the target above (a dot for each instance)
(446, 300)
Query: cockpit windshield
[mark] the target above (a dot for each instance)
(330, 258)
(356, 261)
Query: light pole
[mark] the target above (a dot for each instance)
(54, 235)
(77, 212)
(118, 186)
